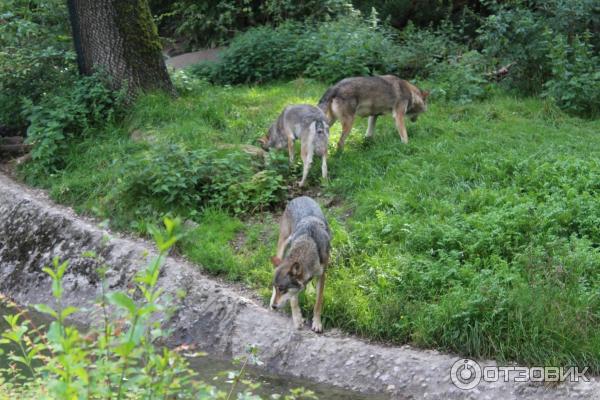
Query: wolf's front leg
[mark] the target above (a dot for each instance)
(371, 126)
(324, 166)
(316, 324)
(399, 118)
(296, 312)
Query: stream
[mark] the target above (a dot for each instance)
(210, 370)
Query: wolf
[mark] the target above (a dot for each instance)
(372, 96)
(307, 123)
(302, 254)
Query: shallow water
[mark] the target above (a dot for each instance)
(210, 369)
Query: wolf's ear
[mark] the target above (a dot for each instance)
(296, 270)
(263, 141)
(425, 94)
(276, 261)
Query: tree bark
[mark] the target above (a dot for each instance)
(120, 38)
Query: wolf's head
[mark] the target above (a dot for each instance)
(321, 137)
(287, 281)
(418, 102)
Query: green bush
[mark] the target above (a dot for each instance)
(346, 47)
(261, 54)
(460, 78)
(575, 81)
(68, 112)
(520, 36)
(35, 54)
(328, 52)
(421, 49)
(524, 33)
(174, 179)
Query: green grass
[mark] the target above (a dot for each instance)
(481, 236)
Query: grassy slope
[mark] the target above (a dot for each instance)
(480, 236)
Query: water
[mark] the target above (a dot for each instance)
(210, 369)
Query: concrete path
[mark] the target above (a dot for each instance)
(186, 59)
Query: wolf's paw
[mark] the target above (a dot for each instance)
(317, 326)
(299, 323)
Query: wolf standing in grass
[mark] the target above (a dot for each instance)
(302, 254)
(304, 122)
(372, 96)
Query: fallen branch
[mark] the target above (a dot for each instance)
(501, 72)
(11, 140)
(15, 149)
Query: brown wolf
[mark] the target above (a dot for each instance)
(302, 254)
(304, 122)
(372, 96)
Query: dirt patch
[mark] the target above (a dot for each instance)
(220, 318)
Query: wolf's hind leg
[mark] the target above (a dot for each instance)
(296, 312)
(316, 324)
(371, 126)
(346, 128)
(307, 154)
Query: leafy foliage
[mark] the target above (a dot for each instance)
(328, 52)
(518, 35)
(35, 54)
(176, 179)
(460, 78)
(69, 111)
(575, 81)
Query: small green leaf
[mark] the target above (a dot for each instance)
(122, 300)
(45, 309)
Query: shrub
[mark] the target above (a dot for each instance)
(35, 54)
(575, 81)
(518, 35)
(525, 32)
(421, 49)
(175, 179)
(261, 54)
(348, 46)
(329, 51)
(460, 78)
(68, 112)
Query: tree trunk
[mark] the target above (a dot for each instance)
(120, 38)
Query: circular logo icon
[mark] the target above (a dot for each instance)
(465, 374)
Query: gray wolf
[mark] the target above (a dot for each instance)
(372, 96)
(304, 122)
(302, 254)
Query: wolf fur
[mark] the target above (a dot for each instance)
(304, 122)
(302, 254)
(372, 96)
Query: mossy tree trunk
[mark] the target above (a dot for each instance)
(120, 38)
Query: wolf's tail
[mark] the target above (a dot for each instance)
(325, 101)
